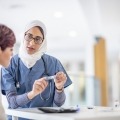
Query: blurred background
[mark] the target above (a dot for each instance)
(84, 35)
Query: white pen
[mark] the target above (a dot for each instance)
(50, 77)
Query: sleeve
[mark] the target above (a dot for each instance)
(59, 67)
(8, 87)
(15, 100)
(7, 81)
(59, 98)
(53, 66)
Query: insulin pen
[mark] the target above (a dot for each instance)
(50, 77)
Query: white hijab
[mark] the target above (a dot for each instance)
(30, 60)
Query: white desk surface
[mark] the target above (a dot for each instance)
(98, 113)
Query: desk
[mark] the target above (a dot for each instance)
(84, 114)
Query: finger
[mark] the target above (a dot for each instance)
(63, 80)
(37, 87)
(65, 76)
(59, 73)
(45, 83)
(43, 80)
(37, 82)
(58, 76)
(58, 81)
(40, 84)
(62, 77)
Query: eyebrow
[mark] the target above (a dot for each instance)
(33, 35)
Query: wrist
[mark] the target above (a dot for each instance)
(59, 89)
(30, 95)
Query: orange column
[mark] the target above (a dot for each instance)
(100, 68)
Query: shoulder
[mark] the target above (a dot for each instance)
(15, 57)
(49, 58)
(52, 64)
(51, 61)
(14, 60)
(13, 64)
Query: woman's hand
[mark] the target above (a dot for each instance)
(38, 87)
(60, 81)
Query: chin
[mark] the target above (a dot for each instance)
(6, 65)
(30, 53)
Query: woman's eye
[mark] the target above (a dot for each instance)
(30, 35)
(37, 38)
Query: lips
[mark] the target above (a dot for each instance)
(30, 48)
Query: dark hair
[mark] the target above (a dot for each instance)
(7, 37)
(41, 30)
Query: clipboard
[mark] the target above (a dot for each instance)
(59, 109)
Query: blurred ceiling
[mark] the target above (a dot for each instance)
(71, 24)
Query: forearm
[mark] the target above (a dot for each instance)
(15, 100)
(59, 98)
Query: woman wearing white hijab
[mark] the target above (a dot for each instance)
(7, 41)
(25, 80)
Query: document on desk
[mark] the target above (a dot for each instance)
(59, 109)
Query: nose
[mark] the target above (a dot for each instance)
(32, 42)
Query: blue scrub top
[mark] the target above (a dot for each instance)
(46, 66)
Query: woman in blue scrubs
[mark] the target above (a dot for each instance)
(24, 81)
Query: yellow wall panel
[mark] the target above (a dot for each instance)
(100, 68)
